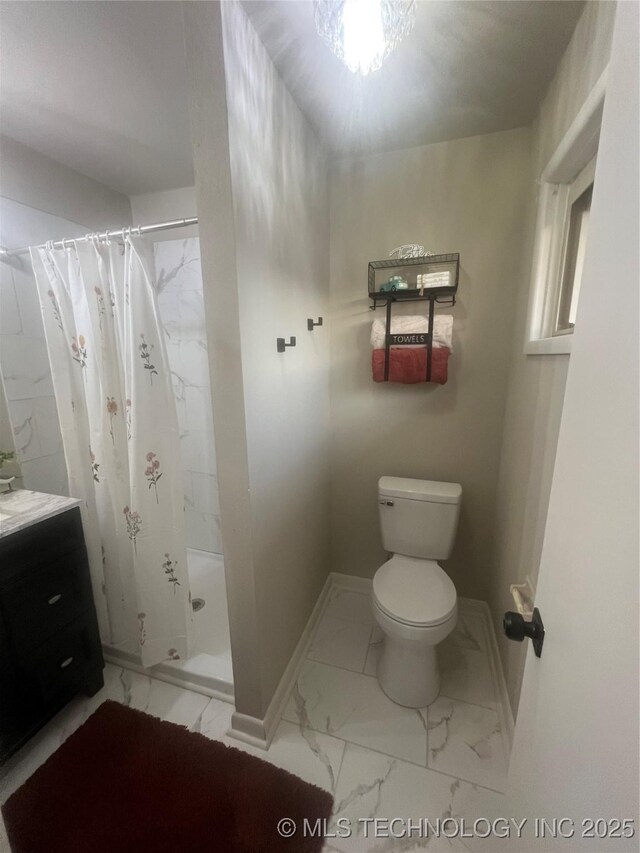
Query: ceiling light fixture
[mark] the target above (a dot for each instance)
(362, 33)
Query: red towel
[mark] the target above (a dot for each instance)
(409, 364)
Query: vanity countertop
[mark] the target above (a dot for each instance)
(22, 508)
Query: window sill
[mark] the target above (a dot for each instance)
(558, 345)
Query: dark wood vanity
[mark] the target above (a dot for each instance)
(49, 641)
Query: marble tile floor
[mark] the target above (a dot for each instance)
(339, 731)
(447, 760)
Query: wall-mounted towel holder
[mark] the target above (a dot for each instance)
(282, 345)
(409, 280)
(311, 323)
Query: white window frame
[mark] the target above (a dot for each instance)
(575, 152)
(554, 291)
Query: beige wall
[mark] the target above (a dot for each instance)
(43, 184)
(536, 383)
(587, 681)
(262, 193)
(466, 196)
(149, 208)
(263, 213)
(280, 191)
(209, 127)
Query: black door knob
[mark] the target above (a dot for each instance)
(514, 626)
(517, 628)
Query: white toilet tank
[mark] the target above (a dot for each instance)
(418, 518)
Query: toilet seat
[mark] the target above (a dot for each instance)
(414, 592)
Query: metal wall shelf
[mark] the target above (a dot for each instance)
(410, 268)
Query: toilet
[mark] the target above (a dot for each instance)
(414, 600)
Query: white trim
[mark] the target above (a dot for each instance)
(552, 202)
(579, 185)
(557, 345)
(351, 583)
(251, 730)
(259, 732)
(578, 146)
(504, 705)
(472, 606)
(475, 607)
(465, 605)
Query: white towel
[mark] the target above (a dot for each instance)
(415, 324)
(436, 279)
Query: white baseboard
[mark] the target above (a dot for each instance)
(251, 730)
(352, 583)
(259, 732)
(472, 605)
(507, 722)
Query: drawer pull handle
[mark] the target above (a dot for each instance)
(65, 663)
(55, 598)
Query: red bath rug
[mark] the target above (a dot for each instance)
(126, 782)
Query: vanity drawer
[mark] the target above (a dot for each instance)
(39, 602)
(62, 664)
(40, 543)
(49, 639)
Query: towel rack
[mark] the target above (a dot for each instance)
(408, 269)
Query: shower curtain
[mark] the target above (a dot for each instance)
(120, 435)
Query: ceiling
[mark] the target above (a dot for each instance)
(466, 68)
(102, 86)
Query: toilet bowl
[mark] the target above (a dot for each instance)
(414, 601)
(415, 607)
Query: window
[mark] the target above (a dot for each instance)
(576, 228)
(562, 231)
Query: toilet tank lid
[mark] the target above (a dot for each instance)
(420, 490)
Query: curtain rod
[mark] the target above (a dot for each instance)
(105, 235)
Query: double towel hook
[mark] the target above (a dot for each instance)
(281, 344)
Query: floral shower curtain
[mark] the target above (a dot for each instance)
(120, 434)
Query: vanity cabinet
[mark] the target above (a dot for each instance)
(49, 642)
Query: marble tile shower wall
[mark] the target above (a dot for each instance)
(182, 313)
(23, 351)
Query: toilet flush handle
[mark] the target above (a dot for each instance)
(386, 503)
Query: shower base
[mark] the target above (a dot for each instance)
(209, 669)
